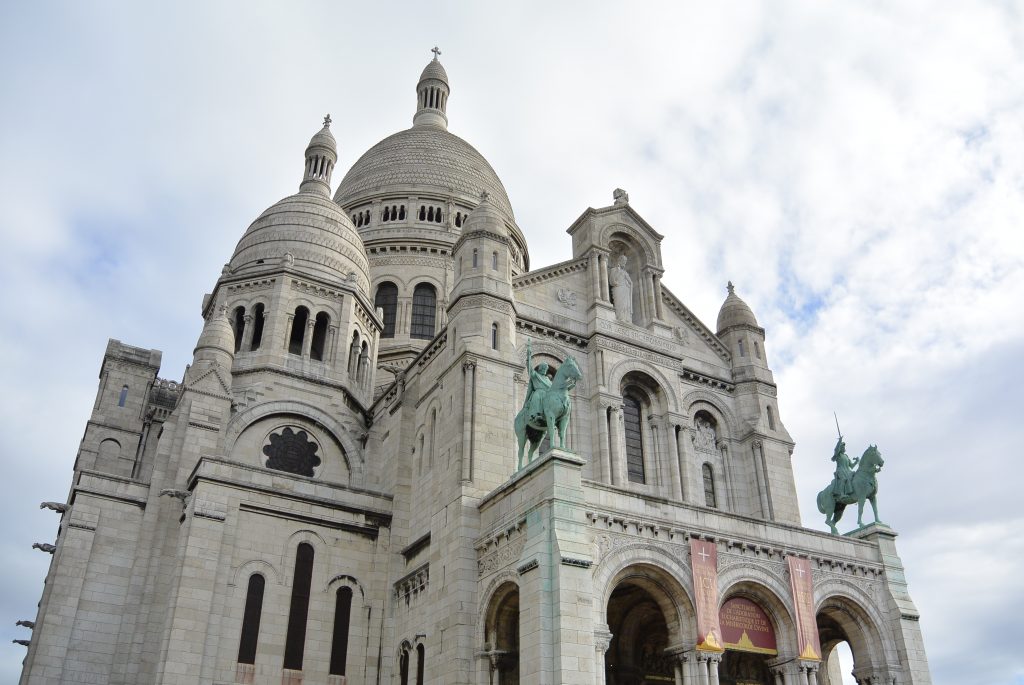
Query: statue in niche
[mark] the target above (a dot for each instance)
(704, 437)
(292, 452)
(622, 291)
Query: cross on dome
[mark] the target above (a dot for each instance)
(731, 288)
(435, 51)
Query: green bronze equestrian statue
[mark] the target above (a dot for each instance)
(849, 486)
(546, 408)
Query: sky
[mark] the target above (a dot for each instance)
(856, 169)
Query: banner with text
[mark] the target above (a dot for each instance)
(746, 627)
(802, 585)
(704, 562)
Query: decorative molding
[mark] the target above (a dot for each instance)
(578, 563)
(703, 379)
(413, 584)
(250, 286)
(567, 298)
(527, 567)
(549, 332)
(553, 271)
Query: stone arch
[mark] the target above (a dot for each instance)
(331, 426)
(725, 415)
(769, 591)
(853, 611)
(660, 570)
(343, 579)
(638, 239)
(619, 371)
(244, 570)
(311, 537)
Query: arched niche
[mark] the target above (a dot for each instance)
(845, 614)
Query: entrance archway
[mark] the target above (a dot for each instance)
(502, 635)
(640, 635)
(841, 620)
(749, 639)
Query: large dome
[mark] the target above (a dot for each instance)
(425, 159)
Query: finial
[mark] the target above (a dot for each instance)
(327, 120)
(435, 51)
(484, 196)
(731, 288)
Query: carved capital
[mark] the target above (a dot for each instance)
(757, 444)
(467, 365)
(602, 639)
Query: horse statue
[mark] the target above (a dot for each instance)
(547, 410)
(863, 486)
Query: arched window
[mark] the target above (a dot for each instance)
(387, 299)
(437, 215)
(458, 219)
(771, 417)
(339, 643)
(421, 656)
(401, 213)
(494, 336)
(709, 486)
(494, 261)
(430, 214)
(424, 311)
(251, 620)
(295, 639)
(433, 437)
(387, 214)
(403, 668)
(238, 325)
(633, 426)
(257, 326)
(423, 213)
(110, 449)
(123, 397)
(757, 350)
(475, 257)
(316, 350)
(298, 330)
(743, 353)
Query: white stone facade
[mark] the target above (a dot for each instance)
(331, 493)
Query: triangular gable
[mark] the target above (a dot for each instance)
(210, 382)
(626, 209)
(687, 317)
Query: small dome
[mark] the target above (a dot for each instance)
(324, 137)
(217, 339)
(309, 233)
(434, 70)
(485, 218)
(735, 312)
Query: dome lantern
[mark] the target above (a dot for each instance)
(432, 95)
(321, 156)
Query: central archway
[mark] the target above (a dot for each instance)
(636, 655)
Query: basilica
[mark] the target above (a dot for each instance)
(405, 452)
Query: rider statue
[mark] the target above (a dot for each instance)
(538, 377)
(844, 469)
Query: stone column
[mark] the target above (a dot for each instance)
(605, 295)
(762, 487)
(595, 274)
(247, 333)
(779, 675)
(808, 671)
(648, 294)
(620, 474)
(468, 414)
(602, 639)
(288, 330)
(702, 668)
(693, 487)
(658, 306)
(307, 339)
(604, 448)
(672, 456)
(713, 661)
(330, 353)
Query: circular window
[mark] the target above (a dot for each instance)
(292, 450)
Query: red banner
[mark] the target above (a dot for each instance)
(704, 562)
(746, 627)
(802, 585)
